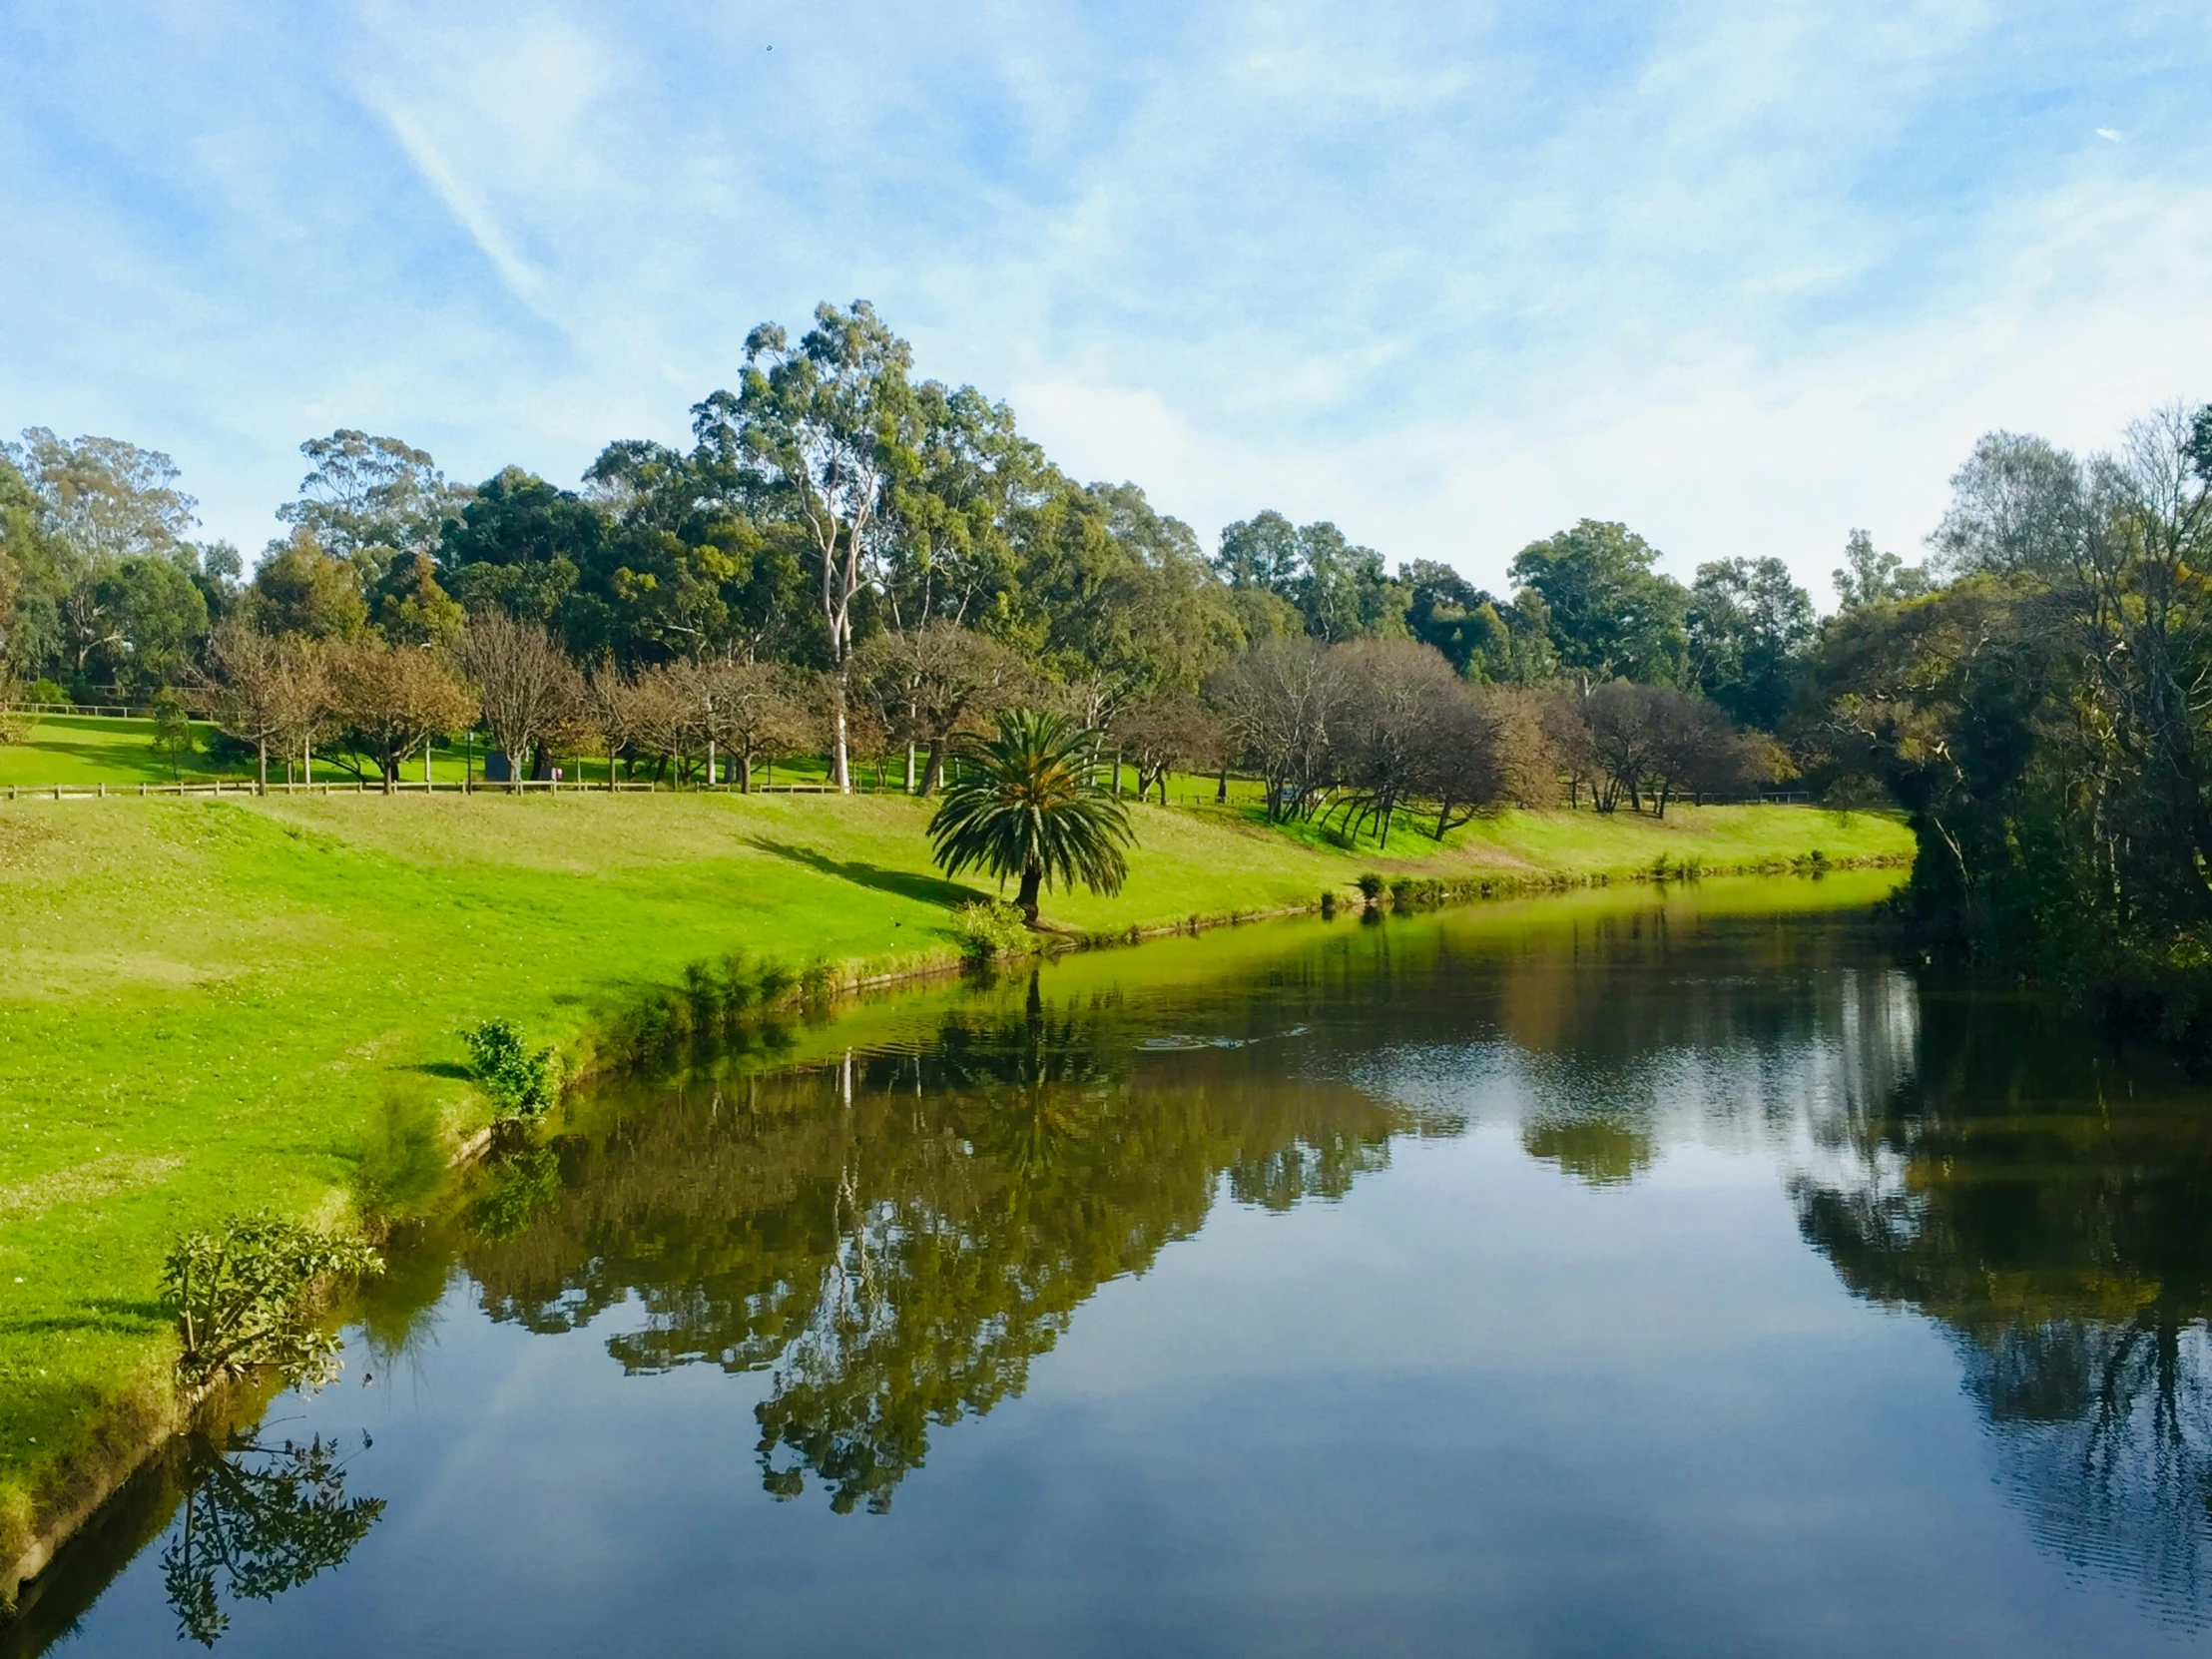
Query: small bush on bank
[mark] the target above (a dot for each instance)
(1371, 885)
(522, 1083)
(242, 1297)
(989, 930)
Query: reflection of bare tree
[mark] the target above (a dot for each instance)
(2108, 1431)
(259, 1521)
(2049, 1202)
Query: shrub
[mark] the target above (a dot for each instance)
(989, 930)
(243, 1301)
(1371, 887)
(45, 691)
(172, 737)
(522, 1083)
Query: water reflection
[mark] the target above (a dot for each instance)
(887, 1238)
(257, 1520)
(894, 1236)
(2050, 1200)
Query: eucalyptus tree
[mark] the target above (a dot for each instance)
(94, 503)
(957, 507)
(822, 428)
(1610, 613)
(1749, 623)
(1339, 590)
(1868, 577)
(105, 498)
(372, 500)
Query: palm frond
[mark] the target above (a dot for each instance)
(1028, 806)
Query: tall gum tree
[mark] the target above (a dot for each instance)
(821, 429)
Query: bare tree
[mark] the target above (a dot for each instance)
(269, 692)
(1383, 736)
(757, 711)
(394, 700)
(1567, 735)
(1276, 703)
(1696, 749)
(1164, 732)
(1527, 764)
(661, 712)
(1651, 740)
(931, 683)
(1626, 726)
(528, 692)
(1460, 762)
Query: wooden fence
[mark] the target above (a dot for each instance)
(246, 785)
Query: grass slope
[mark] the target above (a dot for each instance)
(212, 1005)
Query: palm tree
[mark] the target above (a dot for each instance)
(1027, 805)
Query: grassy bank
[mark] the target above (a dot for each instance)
(211, 1005)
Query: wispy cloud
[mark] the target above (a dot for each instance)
(1448, 275)
(523, 280)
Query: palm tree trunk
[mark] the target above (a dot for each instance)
(1032, 877)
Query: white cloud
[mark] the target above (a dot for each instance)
(1450, 277)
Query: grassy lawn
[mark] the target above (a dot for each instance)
(212, 1005)
(92, 749)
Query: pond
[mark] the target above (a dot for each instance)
(1648, 1272)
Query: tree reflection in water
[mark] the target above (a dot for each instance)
(2050, 1202)
(257, 1520)
(893, 1238)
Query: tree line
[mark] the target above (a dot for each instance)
(851, 560)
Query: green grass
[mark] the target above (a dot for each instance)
(92, 749)
(208, 1006)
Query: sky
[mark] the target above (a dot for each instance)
(1744, 276)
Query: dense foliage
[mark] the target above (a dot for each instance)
(2046, 714)
(847, 560)
(242, 1296)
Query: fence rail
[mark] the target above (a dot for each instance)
(197, 709)
(578, 785)
(405, 785)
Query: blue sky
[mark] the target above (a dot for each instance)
(1743, 276)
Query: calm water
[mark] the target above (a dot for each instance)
(1600, 1276)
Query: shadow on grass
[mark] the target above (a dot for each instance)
(449, 1068)
(114, 1316)
(120, 761)
(906, 884)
